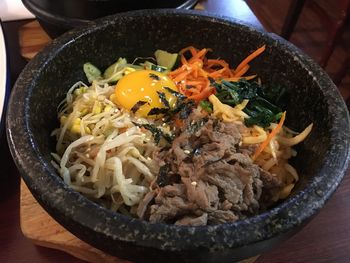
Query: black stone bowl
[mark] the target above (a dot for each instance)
(321, 161)
(57, 17)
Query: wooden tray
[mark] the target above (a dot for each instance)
(32, 39)
(44, 231)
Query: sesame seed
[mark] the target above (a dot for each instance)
(194, 183)
(187, 151)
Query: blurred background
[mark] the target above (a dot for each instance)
(319, 27)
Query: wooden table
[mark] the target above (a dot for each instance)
(325, 239)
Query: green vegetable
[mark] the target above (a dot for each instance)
(115, 71)
(206, 105)
(159, 68)
(262, 108)
(91, 72)
(166, 59)
(151, 66)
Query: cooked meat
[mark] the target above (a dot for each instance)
(248, 149)
(169, 208)
(172, 191)
(221, 216)
(270, 190)
(196, 193)
(218, 182)
(225, 205)
(142, 207)
(193, 221)
(236, 183)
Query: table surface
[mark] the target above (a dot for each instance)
(325, 239)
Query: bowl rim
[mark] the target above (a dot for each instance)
(295, 211)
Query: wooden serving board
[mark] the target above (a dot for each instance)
(43, 230)
(32, 39)
(38, 226)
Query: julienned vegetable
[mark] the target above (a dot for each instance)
(196, 73)
(261, 111)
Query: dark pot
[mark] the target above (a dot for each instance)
(322, 158)
(57, 17)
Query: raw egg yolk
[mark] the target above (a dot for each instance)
(144, 85)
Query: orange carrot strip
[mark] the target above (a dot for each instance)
(194, 82)
(181, 76)
(199, 55)
(203, 95)
(192, 49)
(197, 63)
(183, 60)
(217, 73)
(203, 73)
(230, 73)
(273, 133)
(250, 58)
(242, 71)
(176, 71)
(238, 78)
(215, 62)
(194, 90)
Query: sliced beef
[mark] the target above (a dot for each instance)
(170, 208)
(236, 183)
(221, 216)
(195, 192)
(271, 189)
(225, 205)
(218, 182)
(193, 221)
(143, 205)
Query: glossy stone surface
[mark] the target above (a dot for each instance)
(322, 158)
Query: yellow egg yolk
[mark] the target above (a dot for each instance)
(144, 85)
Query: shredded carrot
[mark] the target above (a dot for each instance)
(273, 133)
(194, 76)
(203, 95)
(250, 58)
(242, 71)
(199, 55)
(239, 78)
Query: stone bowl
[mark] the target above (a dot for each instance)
(312, 97)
